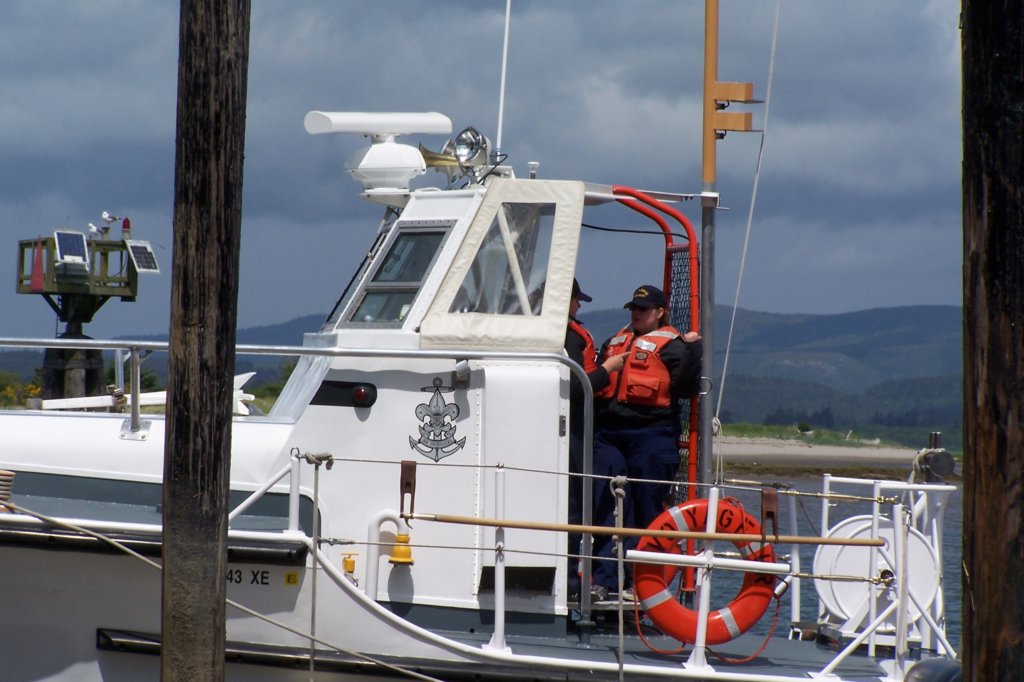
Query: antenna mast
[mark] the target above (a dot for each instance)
(501, 93)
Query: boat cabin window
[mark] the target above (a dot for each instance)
(388, 294)
(350, 288)
(508, 274)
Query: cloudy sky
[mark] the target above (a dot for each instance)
(859, 199)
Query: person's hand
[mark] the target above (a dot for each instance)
(691, 336)
(614, 363)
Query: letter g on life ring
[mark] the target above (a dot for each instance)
(651, 582)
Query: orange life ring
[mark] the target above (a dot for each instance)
(651, 581)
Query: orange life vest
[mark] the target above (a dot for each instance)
(644, 379)
(589, 349)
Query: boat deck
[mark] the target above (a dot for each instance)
(780, 657)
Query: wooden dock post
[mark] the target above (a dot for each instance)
(993, 214)
(213, 61)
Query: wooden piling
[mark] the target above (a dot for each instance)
(993, 214)
(212, 75)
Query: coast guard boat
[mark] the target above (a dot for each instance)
(402, 510)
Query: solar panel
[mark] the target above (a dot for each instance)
(142, 255)
(71, 247)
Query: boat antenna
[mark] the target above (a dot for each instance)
(496, 154)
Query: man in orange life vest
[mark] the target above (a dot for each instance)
(579, 346)
(637, 420)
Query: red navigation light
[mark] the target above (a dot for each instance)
(364, 395)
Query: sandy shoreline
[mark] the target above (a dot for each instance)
(773, 451)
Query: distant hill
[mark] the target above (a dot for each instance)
(281, 334)
(890, 372)
(848, 352)
(25, 362)
(894, 373)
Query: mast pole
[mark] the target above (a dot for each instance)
(709, 204)
(716, 121)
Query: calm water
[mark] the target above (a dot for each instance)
(809, 517)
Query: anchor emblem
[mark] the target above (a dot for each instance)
(437, 427)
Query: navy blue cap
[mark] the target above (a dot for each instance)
(579, 294)
(648, 296)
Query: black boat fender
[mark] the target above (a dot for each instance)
(935, 670)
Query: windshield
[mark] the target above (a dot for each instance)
(389, 294)
(508, 274)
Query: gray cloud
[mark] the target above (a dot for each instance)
(859, 201)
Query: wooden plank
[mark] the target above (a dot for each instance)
(644, 532)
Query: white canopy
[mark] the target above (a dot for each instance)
(509, 285)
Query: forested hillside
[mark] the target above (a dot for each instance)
(889, 372)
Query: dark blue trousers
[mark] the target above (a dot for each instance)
(649, 452)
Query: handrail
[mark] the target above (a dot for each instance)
(98, 344)
(643, 532)
(135, 420)
(645, 204)
(259, 492)
(702, 560)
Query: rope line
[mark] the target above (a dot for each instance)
(750, 219)
(728, 484)
(629, 230)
